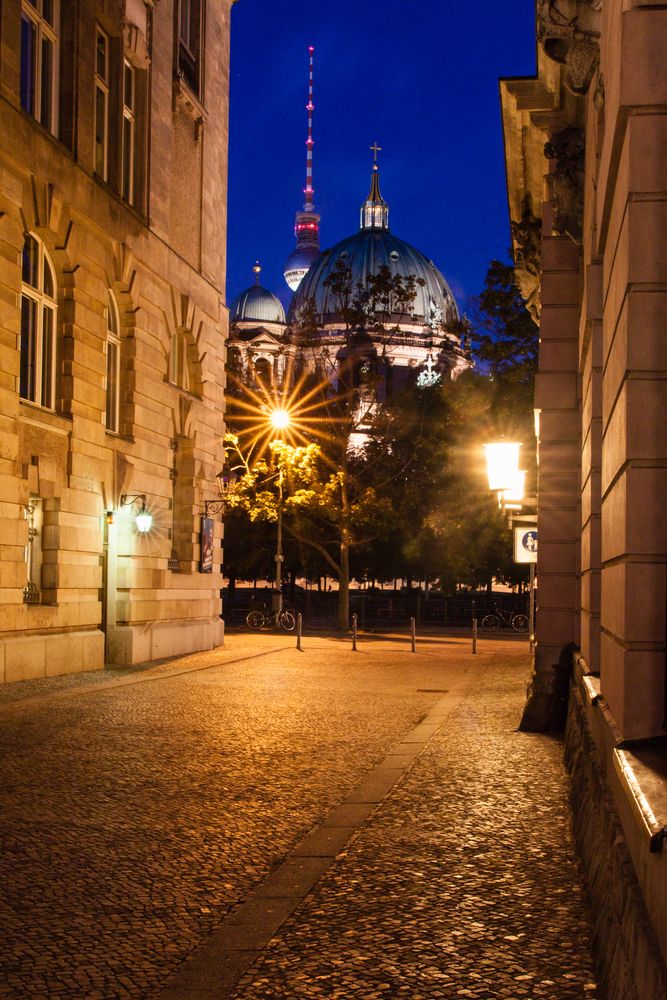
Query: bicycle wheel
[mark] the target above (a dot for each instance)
(255, 620)
(491, 623)
(287, 621)
(520, 623)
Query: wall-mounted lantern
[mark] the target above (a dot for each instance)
(143, 519)
(226, 480)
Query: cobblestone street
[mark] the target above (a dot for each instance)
(259, 822)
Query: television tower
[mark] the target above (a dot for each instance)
(307, 222)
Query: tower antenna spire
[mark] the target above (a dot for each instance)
(307, 222)
(310, 107)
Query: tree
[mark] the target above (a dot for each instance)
(415, 483)
(324, 508)
(504, 341)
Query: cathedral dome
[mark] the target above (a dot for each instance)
(257, 304)
(365, 253)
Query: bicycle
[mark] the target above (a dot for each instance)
(258, 619)
(511, 619)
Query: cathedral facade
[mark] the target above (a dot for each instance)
(112, 266)
(372, 309)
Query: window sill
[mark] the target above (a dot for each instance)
(33, 413)
(186, 392)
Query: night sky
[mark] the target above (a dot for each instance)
(420, 77)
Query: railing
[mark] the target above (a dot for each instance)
(379, 609)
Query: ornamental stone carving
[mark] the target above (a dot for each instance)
(569, 32)
(527, 241)
(567, 180)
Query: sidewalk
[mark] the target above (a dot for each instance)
(258, 823)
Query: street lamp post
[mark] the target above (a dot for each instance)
(280, 420)
(508, 481)
(278, 596)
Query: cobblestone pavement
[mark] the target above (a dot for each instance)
(138, 811)
(463, 884)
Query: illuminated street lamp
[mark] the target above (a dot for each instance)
(509, 482)
(512, 498)
(502, 464)
(143, 519)
(280, 419)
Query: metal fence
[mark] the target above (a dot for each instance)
(376, 609)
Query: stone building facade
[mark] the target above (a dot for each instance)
(586, 153)
(113, 160)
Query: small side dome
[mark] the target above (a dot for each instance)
(257, 304)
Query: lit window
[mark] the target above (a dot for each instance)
(113, 367)
(39, 60)
(38, 325)
(189, 43)
(102, 105)
(178, 360)
(129, 132)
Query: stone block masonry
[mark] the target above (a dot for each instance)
(111, 348)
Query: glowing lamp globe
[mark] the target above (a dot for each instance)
(280, 419)
(502, 464)
(517, 490)
(144, 520)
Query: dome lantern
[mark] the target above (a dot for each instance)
(375, 210)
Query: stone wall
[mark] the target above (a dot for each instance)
(629, 961)
(586, 140)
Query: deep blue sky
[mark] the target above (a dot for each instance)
(420, 77)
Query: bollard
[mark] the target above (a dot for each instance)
(474, 626)
(354, 631)
(413, 636)
(531, 608)
(299, 621)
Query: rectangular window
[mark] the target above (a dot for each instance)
(129, 133)
(28, 63)
(113, 380)
(39, 61)
(102, 106)
(189, 43)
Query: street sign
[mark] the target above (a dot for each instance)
(525, 545)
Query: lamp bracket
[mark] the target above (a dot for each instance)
(214, 507)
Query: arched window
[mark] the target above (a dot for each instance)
(262, 370)
(178, 361)
(113, 367)
(38, 325)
